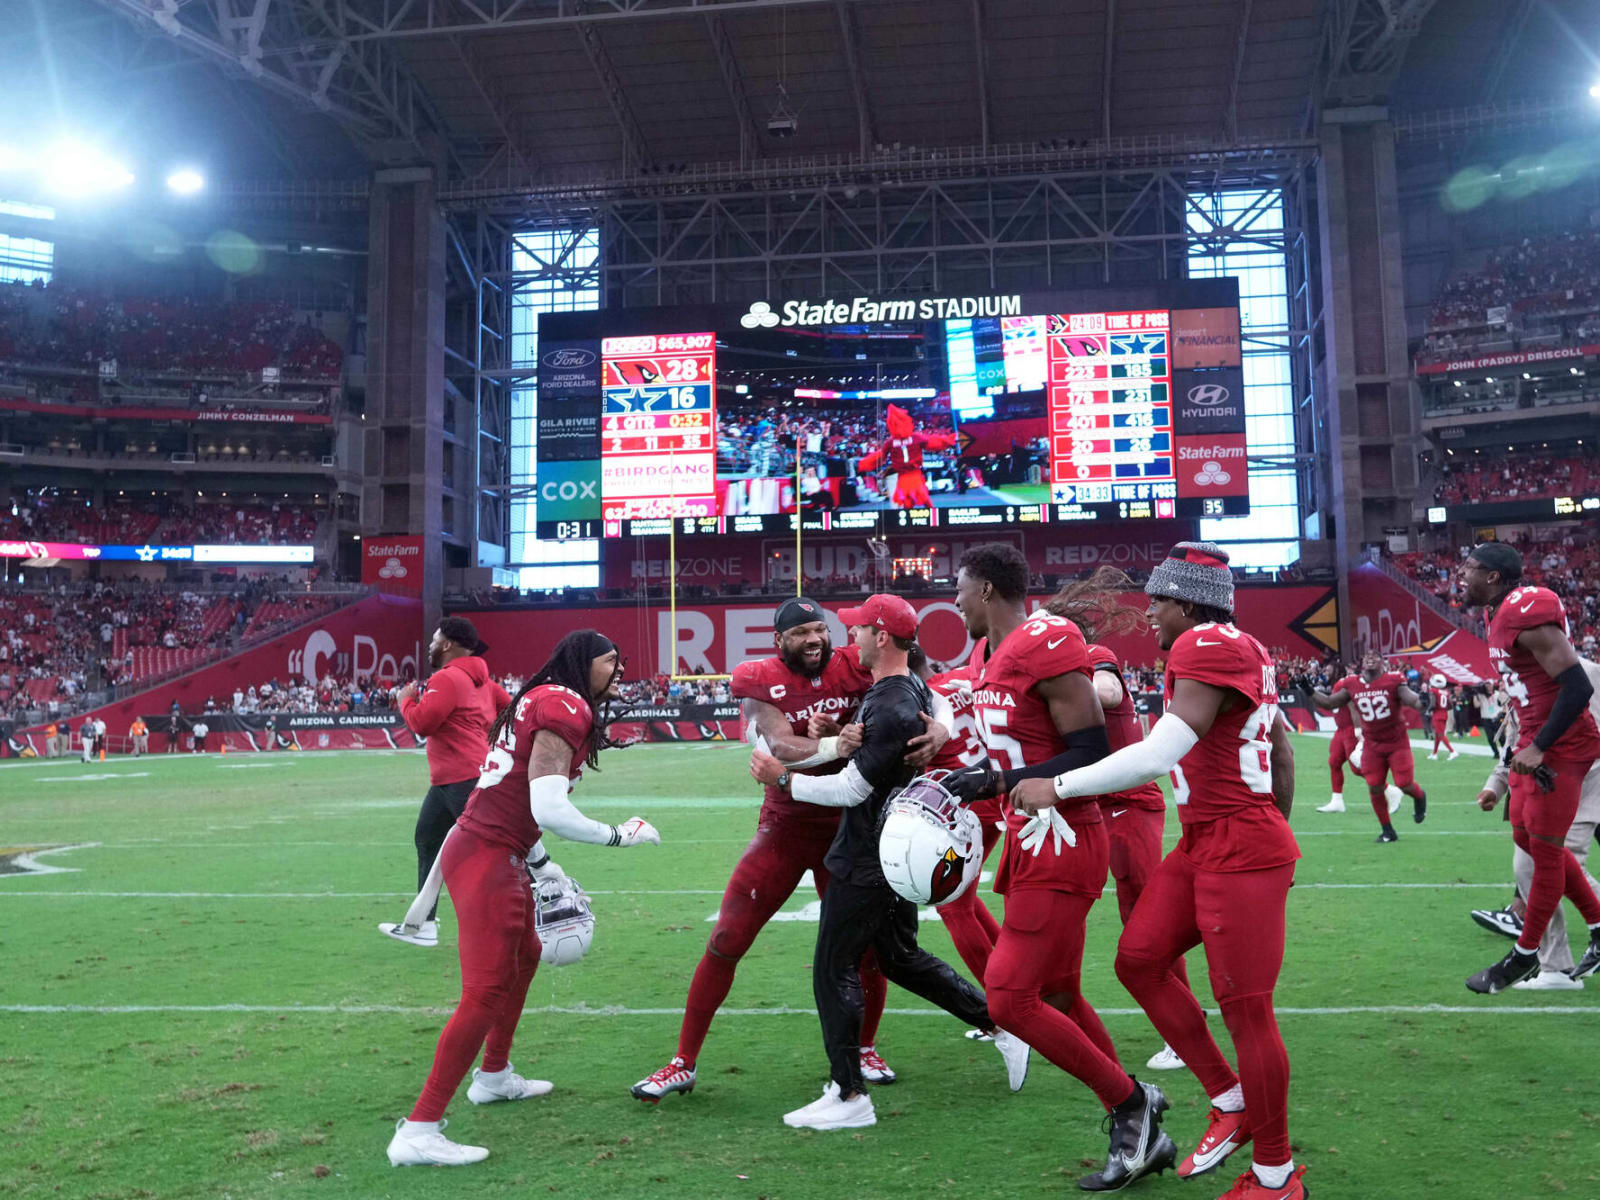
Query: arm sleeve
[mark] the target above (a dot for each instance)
(426, 713)
(547, 800)
(827, 751)
(1499, 781)
(942, 711)
(1170, 739)
(1570, 703)
(845, 790)
(1088, 745)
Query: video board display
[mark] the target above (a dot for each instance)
(893, 414)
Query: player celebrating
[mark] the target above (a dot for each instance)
(1557, 743)
(1439, 695)
(1345, 746)
(539, 745)
(1386, 746)
(793, 701)
(1136, 818)
(901, 454)
(1037, 708)
(1226, 883)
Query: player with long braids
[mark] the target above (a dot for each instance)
(538, 747)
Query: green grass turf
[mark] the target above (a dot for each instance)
(297, 857)
(1023, 493)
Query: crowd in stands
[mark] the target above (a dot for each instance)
(1550, 287)
(161, 520)
(1489, 480)
(67, 326)
(300, 695)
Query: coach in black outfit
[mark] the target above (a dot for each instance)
(859, 909)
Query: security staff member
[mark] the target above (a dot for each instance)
(859, 910)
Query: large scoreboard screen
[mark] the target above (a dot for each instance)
(891, 414)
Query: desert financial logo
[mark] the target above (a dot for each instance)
(861, 310)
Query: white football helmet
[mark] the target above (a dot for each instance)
(1437, 680)
(929, 845)
(563, 920)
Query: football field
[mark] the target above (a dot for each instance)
(195, 1002)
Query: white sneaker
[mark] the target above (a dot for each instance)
(1393, 795)
(1434, 757)
(428, 1147)
(830, 1112)
(1165, 1059)
(505, 1085)
(426, 934)
(1454, 754)
(978, 1035)
(1331, 806)
(1016, 1053)
(1550, 981)
(873, 1068)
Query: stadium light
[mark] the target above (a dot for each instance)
(186, 181)
(1594, 91)
(75, 169)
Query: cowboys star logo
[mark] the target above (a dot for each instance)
(24, 860)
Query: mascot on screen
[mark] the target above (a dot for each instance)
(901, 453)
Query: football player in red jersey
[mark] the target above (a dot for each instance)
(1345, 746)
(1136, 818)
(1226, 883)
(1036, 706)
(1439, 697)
(796, 701)
(1386, 747)
(538, 747)
(1557, 744)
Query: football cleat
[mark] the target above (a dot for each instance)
(1419, 807)
(978, 1035)
(832, 1112)
(1454, 754)
(873, 1068)
(1334, 805)
(1016, 1052)
(1138, 1147)
(429, 1148)
(1513, 968)
(505, 1085)
(1388, 835)
(1434, 757)
(1165, 1059)
(1590, 962)
(1550, 981)
(1499, 920)
(1248, 1187)
(676, 1076)
(1225, 1133)
(425, 934)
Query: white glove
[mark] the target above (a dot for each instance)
(550, 870)
(1355, 755)
(636, 830)
(1031, 837)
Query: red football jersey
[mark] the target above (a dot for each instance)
(1530, 688)
(1382, 715)
(1223, 786)
(497, 810)
(965, 746)
(1441, 699)
(836, 693)
(1018, 732)
(1341, 716)
(1122, 729)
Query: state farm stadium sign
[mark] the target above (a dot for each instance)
(1519, 358)
(862, 309)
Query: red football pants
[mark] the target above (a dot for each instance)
(1339, 752)
(1239, 917)
(1032, 986)
(1540, 822)
(499, 954)
(766, 876)
(1379, 762)
(1135, 857)
(969, 922)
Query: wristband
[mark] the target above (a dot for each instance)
(616, 836)
(828, 747)
(535, 865)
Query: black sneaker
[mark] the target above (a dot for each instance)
(1590, 962)
(1419, 807)
(1388, 835)
(1513, 968)
(1499, 920)
(1138, 1147)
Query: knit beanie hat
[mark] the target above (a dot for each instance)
(1196, 572)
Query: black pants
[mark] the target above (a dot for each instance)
(855, 919)
(440, 808)
(1491, 730)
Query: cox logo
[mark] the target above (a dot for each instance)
(1208, 395)
(568, 489)
(568, 357)
(760, 316)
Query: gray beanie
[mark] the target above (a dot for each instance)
(1196, 572)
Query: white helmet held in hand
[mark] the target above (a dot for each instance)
(563, 920)
(1437, 680)
(929, 845)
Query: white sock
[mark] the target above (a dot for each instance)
(1338, 798)
(494, 1077)
(419, 1126)
(1273, 1177)
(1231, 1100)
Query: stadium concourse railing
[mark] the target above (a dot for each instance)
(1426, 598)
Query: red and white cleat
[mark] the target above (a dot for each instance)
(873, 1068)
(1226, 1132)
(676, 1076)
(1248, 1187)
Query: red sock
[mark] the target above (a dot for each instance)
(476, 1013)
(1380, 806)
(1579, 891)
(1337, 771)
(709, 988)
(1263, 1073)
(874, 991)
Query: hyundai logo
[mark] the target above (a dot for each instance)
(1208, 395)
(569, 358)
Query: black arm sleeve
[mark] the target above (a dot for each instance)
(1085, 746)
(1570, 703)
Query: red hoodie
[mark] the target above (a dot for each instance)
(454, 711)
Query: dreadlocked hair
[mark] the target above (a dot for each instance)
(1092, 605)
(568, 666)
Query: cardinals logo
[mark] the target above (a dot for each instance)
(947, 876)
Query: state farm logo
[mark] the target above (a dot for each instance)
(392, 551)
(1210, 463)
(1208, 395)
(1211, 474)
(760, 316)
(568, 358)
(393, 569)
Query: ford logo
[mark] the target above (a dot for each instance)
(568, 358)
(1208, 395)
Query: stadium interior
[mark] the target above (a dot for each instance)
(324, 321)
